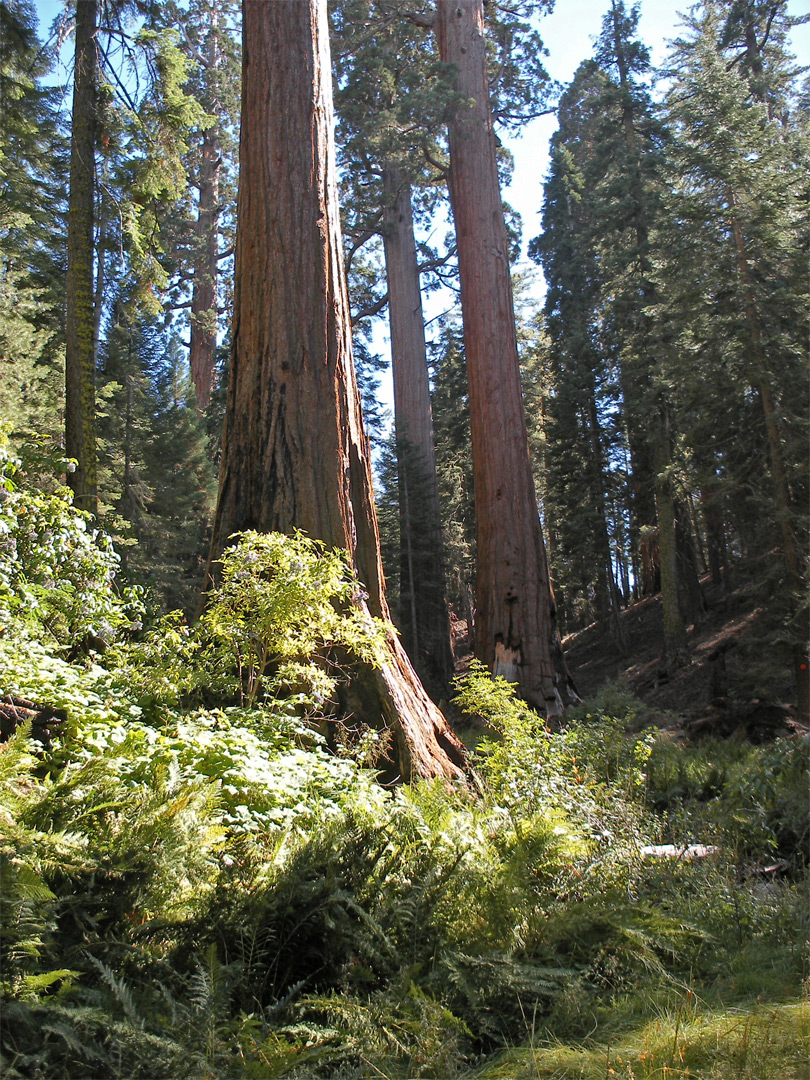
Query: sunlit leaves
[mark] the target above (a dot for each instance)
(283, 604)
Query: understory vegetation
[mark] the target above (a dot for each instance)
(203, 877)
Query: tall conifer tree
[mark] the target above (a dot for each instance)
(735, 272)
(33, 178)
(294, 452)
(80, 360)
(516, 634)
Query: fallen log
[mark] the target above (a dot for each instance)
(45, 720)
(680, 851)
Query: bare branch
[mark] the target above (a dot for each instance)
(424, 21)
(440, 167)
(371, 310)
(438, 262)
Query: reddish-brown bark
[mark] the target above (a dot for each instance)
(294, 453)
(514, 628)
(424, 618)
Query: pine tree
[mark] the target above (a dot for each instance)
(738, 223)
(141, 128)
(585, 397)
(80, 360)
(156, 481)
(602, 206)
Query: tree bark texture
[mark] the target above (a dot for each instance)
(515, 615)
(425, 620)
(203, 349)
(80, 368)
(294, 452)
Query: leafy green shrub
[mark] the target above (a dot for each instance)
(57, 573)
(276, 637)
(512, 760)
(283, 609)
(591, 777)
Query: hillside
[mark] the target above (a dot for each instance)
(736, 680)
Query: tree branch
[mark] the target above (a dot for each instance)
(426, 22)
(431, 160)
(368, 312)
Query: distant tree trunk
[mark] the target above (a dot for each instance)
(515, 633)
(80, 371)
(294, 452)
(203, 349)
(676, 652)
(693, 600)
(715, 533)
(101, 254)
(635, 393)
(608, 601)
(425, 617)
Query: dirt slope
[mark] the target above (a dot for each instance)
(736, 680)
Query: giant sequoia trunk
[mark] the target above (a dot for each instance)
(80, 363)
(424, 618)
(515, 632)
(294, 453)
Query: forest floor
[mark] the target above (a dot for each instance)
(736, 680)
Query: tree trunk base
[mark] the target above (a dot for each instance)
(392, 698)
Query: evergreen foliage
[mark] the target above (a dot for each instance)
(451, 424)
(156, 478)
(670, 246)
(737, 220)
(32, 238)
